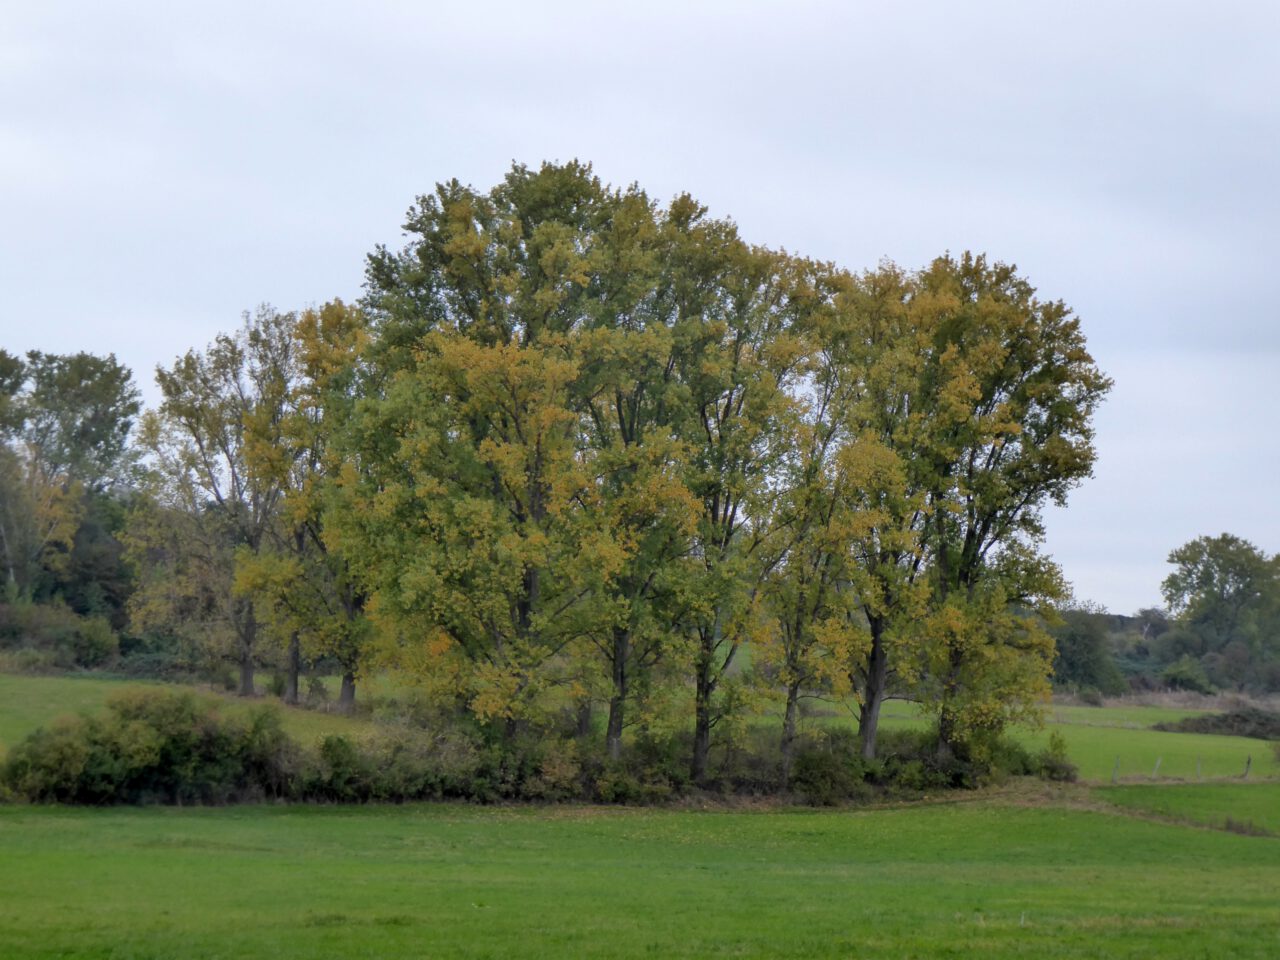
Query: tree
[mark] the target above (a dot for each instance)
(1010, 391)
(207, 497)
(477, 531)
(1220, 584)
(1226, 595)
(1082, 658)
(77, 413)
(65, 422)
(304, 585)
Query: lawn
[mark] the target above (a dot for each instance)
(1251, 807)
(982, 878)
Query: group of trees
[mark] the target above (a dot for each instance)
(579, 451)
(1220, 631)
(64, 456)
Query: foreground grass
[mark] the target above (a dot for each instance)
(28, 702)
(971, 879)
(1241, 806)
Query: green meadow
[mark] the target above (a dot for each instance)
(1029, 870)
(987, 878)
(1244, 807)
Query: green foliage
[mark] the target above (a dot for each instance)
(1082, 658)
(68, 639)
(1226, 594)
(154, 747)
(829, 769)
(1053, 763)
(1186, 673)
(1243, 722)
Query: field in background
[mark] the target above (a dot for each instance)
(1241, 807)
(1099, 736)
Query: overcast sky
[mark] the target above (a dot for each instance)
(164, 167)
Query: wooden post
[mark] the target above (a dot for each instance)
(1248, 762)
(1115, 771)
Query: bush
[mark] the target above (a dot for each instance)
(1091, 696)
(154, 746)
(396, 766)
(1245, 722)
(60, 638)
(828, 769)
(1052, 763)
(1186, 673)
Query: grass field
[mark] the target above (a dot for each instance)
(981, 878)
(1099, 736)
(28, 702)
(1252, 807)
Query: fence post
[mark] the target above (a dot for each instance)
(1115, 771)
(1248, 762)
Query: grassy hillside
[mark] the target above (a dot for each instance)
(953, 880)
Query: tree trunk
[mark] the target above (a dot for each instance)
(873, 696)
(585, 716)
(248, 641)
(789, 729)
(618, 701)
(292, 668)
(948, 722)
(347, 693)
(701, 735)
(706, 688)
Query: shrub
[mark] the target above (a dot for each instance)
(1187, 673)
(1091, 696)
(1244, 722)
(154, 746)
(61, 638)
(1052, 763)
(828, 768)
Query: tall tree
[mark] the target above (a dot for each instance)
(207, 494)
(1226, 593)
(1011, 390)
(478, 530)
(78, 411)
(65, 421)
(301, 582)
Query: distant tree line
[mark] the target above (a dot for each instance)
(1220, 632)
(582, 461)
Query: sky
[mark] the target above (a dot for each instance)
(165, 167)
